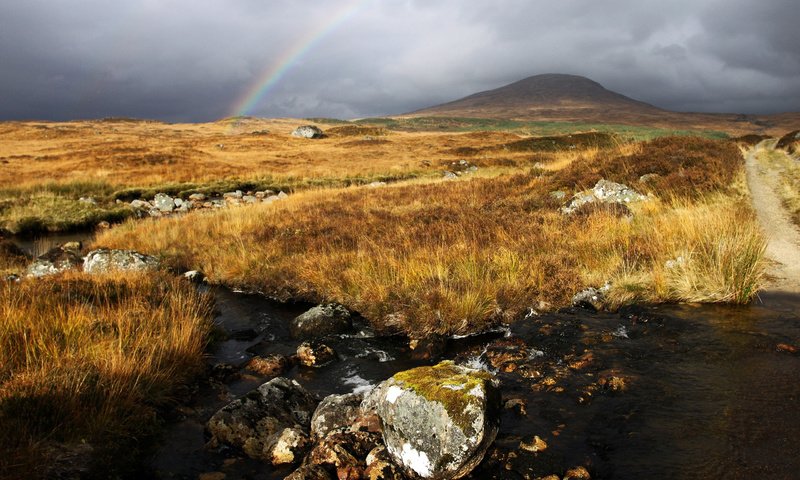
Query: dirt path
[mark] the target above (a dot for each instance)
(783, 236)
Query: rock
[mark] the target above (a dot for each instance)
(141, 205)
(507, 354)
(104, 260)
(604, 191)
(649, 177)
(291, 446)
(237, 195)
(518, 405)
(591, 298)
(558, 194)
(56, 260)
(103, 225)
(307, 131)
(322, 320)
(346, 452)
(194, 276)
(449, 175)
(198, 197)
(249, 199)
(376, 184)
(577, 473)
(212, 476)
(431, 347)
(269, 366)
(163, 202)
(178, 202)
(310, 472)
(439, 421)
(88, 200)
(380, 465)
(282, 195)
(785, 347)
(336, 413)
(315, 354)
(534, 445)
(256, 422)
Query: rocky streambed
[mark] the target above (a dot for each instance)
(667, 392)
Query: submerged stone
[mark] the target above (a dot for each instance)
(439, 421)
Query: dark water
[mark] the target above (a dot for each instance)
(707, 392)
(36, 246)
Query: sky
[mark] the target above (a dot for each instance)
(201, 60)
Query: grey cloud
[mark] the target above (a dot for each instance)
(192, 60)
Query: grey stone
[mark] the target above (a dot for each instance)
(56, 260)
(88, 200)
(591, 298)
(256, 422)
(439, 421)
(104, 260)
(307, 131)
(604, 191)
(141, 204)
(449, 176)
(322, 320)
(163, 202)
(336, 413)
(198, 197)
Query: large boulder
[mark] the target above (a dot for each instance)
(104, 260)
(605, 192)
(270, 423)
(307, 131)
(439, 421)
(324, 319)
(164, 202)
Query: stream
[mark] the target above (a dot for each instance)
(671, 391)
(707, 392)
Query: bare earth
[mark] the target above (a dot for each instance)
(783, 246)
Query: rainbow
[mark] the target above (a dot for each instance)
(278, 69)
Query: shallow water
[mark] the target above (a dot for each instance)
(708, 393)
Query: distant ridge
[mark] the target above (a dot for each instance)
(547, 96)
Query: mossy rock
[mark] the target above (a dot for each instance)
(438, 421)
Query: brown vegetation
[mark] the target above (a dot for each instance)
(454, 257)
(88, 359)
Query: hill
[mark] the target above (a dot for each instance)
(573, 98)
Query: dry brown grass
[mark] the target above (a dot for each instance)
(454, 257)
(90, 360)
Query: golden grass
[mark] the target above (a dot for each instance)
(454, 257)
(90, 359)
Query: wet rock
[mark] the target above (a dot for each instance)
(163, 203)
(310, 472)
(194, 276)
(104, 260)
(581, 362)
(291, 446)
(56, 260)
(315, 354)
(307, 131)
(336, 413)
(428, 348)
(604, 191)
(380, 465)
(439, 421)
(212, 476)
(612, 381)
(785, 347)
(577, 473)
(256, 422)
(591, 298)
(506, 354)
(536, 444)
(322, 320)
(518, 405)
(346, 452)
(269, 366)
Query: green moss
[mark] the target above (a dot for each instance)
(447, 385)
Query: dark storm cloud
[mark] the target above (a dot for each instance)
(192, 60)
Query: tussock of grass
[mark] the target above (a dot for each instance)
(454, 257)
(90, 359)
